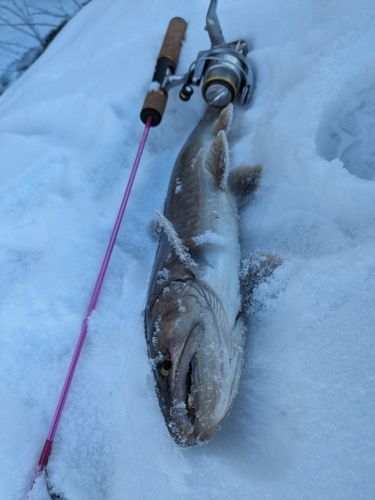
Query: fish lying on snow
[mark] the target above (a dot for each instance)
(193, 321)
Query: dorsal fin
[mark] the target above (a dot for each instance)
(217, 159)
(177, 244)
(224, 120)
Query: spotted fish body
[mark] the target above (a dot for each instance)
(193, 322)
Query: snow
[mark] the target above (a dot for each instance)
(211, 238)
(303, 424)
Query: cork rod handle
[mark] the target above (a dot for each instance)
(156, 99)
(173, 40)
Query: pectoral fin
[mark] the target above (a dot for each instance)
(243, 181)
(176, 242)
(256, 269)
(217, 160)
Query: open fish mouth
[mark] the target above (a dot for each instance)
(191, 402)
(185, 407)
(183, 413)
(186, 424)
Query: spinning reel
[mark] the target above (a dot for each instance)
(223, 72)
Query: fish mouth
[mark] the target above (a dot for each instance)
(191, 402)
(197, 434)
(184, 412)
(185, 425)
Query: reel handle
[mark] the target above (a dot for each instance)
(156, 98)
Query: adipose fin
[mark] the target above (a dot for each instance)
(224, 120)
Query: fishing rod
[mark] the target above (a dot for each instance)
(225, 75)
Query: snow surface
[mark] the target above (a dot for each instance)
(303, 425)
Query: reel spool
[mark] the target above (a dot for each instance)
(223, 72)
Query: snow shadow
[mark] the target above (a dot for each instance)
(347, 132)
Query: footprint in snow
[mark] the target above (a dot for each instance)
(347, 132)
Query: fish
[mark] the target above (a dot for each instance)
(194, 324)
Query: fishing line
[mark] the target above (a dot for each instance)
(47, 448)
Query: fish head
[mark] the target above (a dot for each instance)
(195, 366)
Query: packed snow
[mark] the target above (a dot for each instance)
(303, 425)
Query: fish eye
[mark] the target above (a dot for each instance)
(164, 367)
